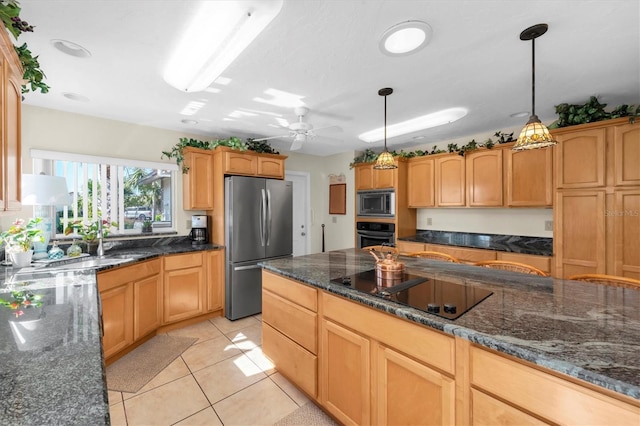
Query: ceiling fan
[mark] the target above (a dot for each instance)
(300, 131)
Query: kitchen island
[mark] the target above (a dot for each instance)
(51, 359)
(585, 334)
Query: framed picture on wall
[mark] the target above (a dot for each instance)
(338, 198)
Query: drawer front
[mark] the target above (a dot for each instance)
(295, 322)
(429, 346)
(291, 290)
(489, 411)
(294, 362)
(182, 261)
(553, 398)
(115, 277)
(464, 254)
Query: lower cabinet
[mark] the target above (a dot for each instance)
(183, 286)
(131, 299)
(215, 279)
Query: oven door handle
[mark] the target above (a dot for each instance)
(376, 233)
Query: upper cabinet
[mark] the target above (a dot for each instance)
(450, 181)
(421, 182)
(10, 143)
(249, 163)
(626, 149)
(580, 159)
(529, 177)
(369, 178)
(197, 184)
(484, 178)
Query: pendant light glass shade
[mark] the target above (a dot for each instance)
(534, 134)
(385, 160)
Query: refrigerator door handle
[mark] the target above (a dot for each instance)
(262, 217)
(246, 268)
(268, 227)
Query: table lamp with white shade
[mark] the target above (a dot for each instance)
(44, 192)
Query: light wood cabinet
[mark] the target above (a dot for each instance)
(238, 163)
(249, 163)
(131, 298)
(529, 178)
(369, 178)
(580, 159)
(484, 178)
(271, 166)
(407, 247)
(517, 388)
(10, 132)
(290, 330)
(626, 140)
(215, 279)
(626, 245)
(409, 392)
(450, 181)
(421, 182)
(183, 286)
(117, 318)
(464, 254)
(197, 183)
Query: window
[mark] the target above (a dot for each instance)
(128, 192)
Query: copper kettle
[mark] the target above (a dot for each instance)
(389, 271)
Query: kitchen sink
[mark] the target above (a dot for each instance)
(89, 263)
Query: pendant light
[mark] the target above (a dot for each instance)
(535, 134)
(385, 159)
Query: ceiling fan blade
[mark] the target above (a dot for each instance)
(296, 145)
(271, 137)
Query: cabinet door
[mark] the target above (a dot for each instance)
(117, 318)
(421, 183)
(450, 182)
(147, 312)
(215, 279)
(626, 142)
(484, 178)
(384, 179)
(11, 167)
(271, 167)
(529, 178)
(580, 159)
(407, 247)
(197, 184)
(579, 240)
(237, 163)
(344, 374)
(364, 176)
(410, 393)
(626, 217)
(488, 411)
(183, 294)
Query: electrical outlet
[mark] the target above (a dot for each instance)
(429, 221)
(334, 219)
(548, 225)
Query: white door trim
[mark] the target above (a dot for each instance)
(307, 178)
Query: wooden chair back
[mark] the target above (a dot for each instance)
(435, 255)
(511, 266)
(607, 280)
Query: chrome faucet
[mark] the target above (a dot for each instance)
(100, 250)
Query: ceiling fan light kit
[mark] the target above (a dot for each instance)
(534, 134)
(385, 160)
(220, 31)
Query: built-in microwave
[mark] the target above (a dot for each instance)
(377, 203)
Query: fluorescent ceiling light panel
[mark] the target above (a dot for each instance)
(219, 32)
(415, 124)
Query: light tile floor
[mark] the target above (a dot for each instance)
(222, 379)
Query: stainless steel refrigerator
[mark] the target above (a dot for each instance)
(258, 218)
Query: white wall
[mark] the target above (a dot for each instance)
(44, 128)
(340, 234)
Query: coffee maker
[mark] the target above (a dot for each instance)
(199, 230)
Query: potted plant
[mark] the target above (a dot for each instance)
(88, 231)
(146, 226)
(19, 240)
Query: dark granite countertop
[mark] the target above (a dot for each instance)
(510, 243)
(584, 330)
(51, 361)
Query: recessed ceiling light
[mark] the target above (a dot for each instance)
(75, 97)
(70, 48)
(415, 124)
(405, 38)
(186, 121)
(417, 138)
(519, 114)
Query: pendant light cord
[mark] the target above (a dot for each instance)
(533, 76)
(385, 122)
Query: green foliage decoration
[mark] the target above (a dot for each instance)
(589, 112)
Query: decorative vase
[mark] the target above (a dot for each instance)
(20, 259)
(74, 250)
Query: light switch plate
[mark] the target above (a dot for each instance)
(429, 221)
(548, 225)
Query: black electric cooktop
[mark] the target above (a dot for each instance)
(442, 298)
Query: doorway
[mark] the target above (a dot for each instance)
(301, 211)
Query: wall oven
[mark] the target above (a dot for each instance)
(375, 233)
(379, 203)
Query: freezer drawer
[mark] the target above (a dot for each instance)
(243, 290)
